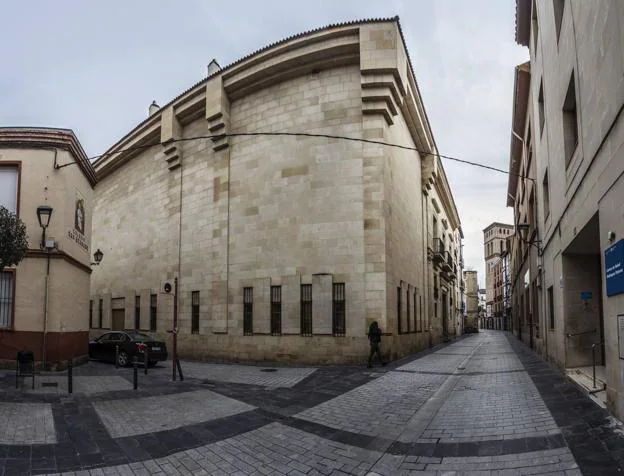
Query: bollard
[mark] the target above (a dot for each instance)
(116, 356)
(135, 382)
(70, 375)
(145, 360)
(179, 370)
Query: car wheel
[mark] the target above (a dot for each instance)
(122, 359)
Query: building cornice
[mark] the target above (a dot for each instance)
(44, 137)
(522, 84)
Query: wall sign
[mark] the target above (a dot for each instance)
(586, 295)
(614, 268)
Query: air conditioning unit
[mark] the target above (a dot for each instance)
(167, 287)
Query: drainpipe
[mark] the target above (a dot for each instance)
(45, 308)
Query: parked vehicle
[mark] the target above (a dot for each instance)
(131, 344)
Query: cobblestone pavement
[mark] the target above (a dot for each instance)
(483, 405)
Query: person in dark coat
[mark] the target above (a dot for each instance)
(374, 338)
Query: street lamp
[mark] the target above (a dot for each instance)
(524, 228)
(97, 256)
(44, 213)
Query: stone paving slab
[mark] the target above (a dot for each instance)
(246, 374)
(128, 417)
(26, 423)
(88, 385)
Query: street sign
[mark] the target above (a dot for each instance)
(586, 295)
(614, 268)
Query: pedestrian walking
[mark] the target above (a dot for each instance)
(374, 338)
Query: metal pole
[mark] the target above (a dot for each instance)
(180, 370)
(594, 363)
(135, 380)
(117, 356)
(175, 326)
(145, 360)
(45, 305)
(70, 376)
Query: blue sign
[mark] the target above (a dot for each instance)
(586, 295)
(614, 268)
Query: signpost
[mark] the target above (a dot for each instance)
(614, 268)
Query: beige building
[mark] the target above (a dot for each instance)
(286, 247)
(575, 133)
(472, 299)
(494, 244)
(44, 301)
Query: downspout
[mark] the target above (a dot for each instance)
(46, 291)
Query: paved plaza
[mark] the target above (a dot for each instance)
(482, 405)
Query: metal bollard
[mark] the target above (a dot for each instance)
(179, 370)
(145, 360)
(116, 356)
(70, 375)
(135, 382)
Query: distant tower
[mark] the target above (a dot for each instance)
(494, 242)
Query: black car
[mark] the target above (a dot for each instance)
(130, 344)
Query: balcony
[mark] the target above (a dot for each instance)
(447, 263)
(438, 250)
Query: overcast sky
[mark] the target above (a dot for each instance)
(95, 67)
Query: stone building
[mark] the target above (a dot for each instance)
(573, 138)
(472, 299)
(44, 301)
(286, 247)
(494, 244)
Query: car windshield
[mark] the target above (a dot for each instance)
(137, 336)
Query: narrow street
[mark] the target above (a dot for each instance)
(484, 404)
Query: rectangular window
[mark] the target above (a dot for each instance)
(338, 314)
(9, 175)
(248, 311)
(195, 312)
(540, 103)
(570, 124)
(409, 310)
(546, 195)
(90, 313)
(6, 299)
(153, 310)
(551, 308)
(137, 312)
(276, 310)
(101, 313)
(399, 309)
(306, 309)
(421, 313)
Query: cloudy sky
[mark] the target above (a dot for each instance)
(95, 67)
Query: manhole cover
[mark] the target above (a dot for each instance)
(268, 370)
(49, 384)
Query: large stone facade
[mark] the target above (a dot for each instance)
(45, 299)
(573, 129)
(245, 216)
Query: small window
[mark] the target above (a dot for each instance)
(551, 308)
(409, 311)
(339, 311)
(399, 309)
(306, 309)
(276, 310)
(195, 312)
(570, 123)
(558, 6)
(248, 311)
(9, 180)
(100, 313)
(415, 312)
(153, 310)
(546, 195)
(91, 314)
(421, 314)
(540, 103)
(6, 299)
(137, 312)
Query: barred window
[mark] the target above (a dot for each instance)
(276, 310)
(248, 311)
(399, 309)
(407, 307)
(306, 309)
(153, 311)
(90, 313)
(415, 312)
(6, 299)
(338, 314)
(137, 312)
(195, 312)
(101, 313)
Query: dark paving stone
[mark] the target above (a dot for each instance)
(17, 467)
(18, 452)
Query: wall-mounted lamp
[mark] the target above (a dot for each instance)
(44, 213)
(523, 228)
(611, 236)
(97, 256)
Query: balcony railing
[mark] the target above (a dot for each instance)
(438, 250)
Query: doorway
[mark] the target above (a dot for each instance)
(444, 314)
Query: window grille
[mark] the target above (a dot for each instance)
(399, 310)
(137, 312)
(195, 312)
(6, 299)
(409, 310)
(276, 310)
(338, 315)
(153, 310)
(90, 313)
(248, 311)
(101, 313)
(306, 309)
